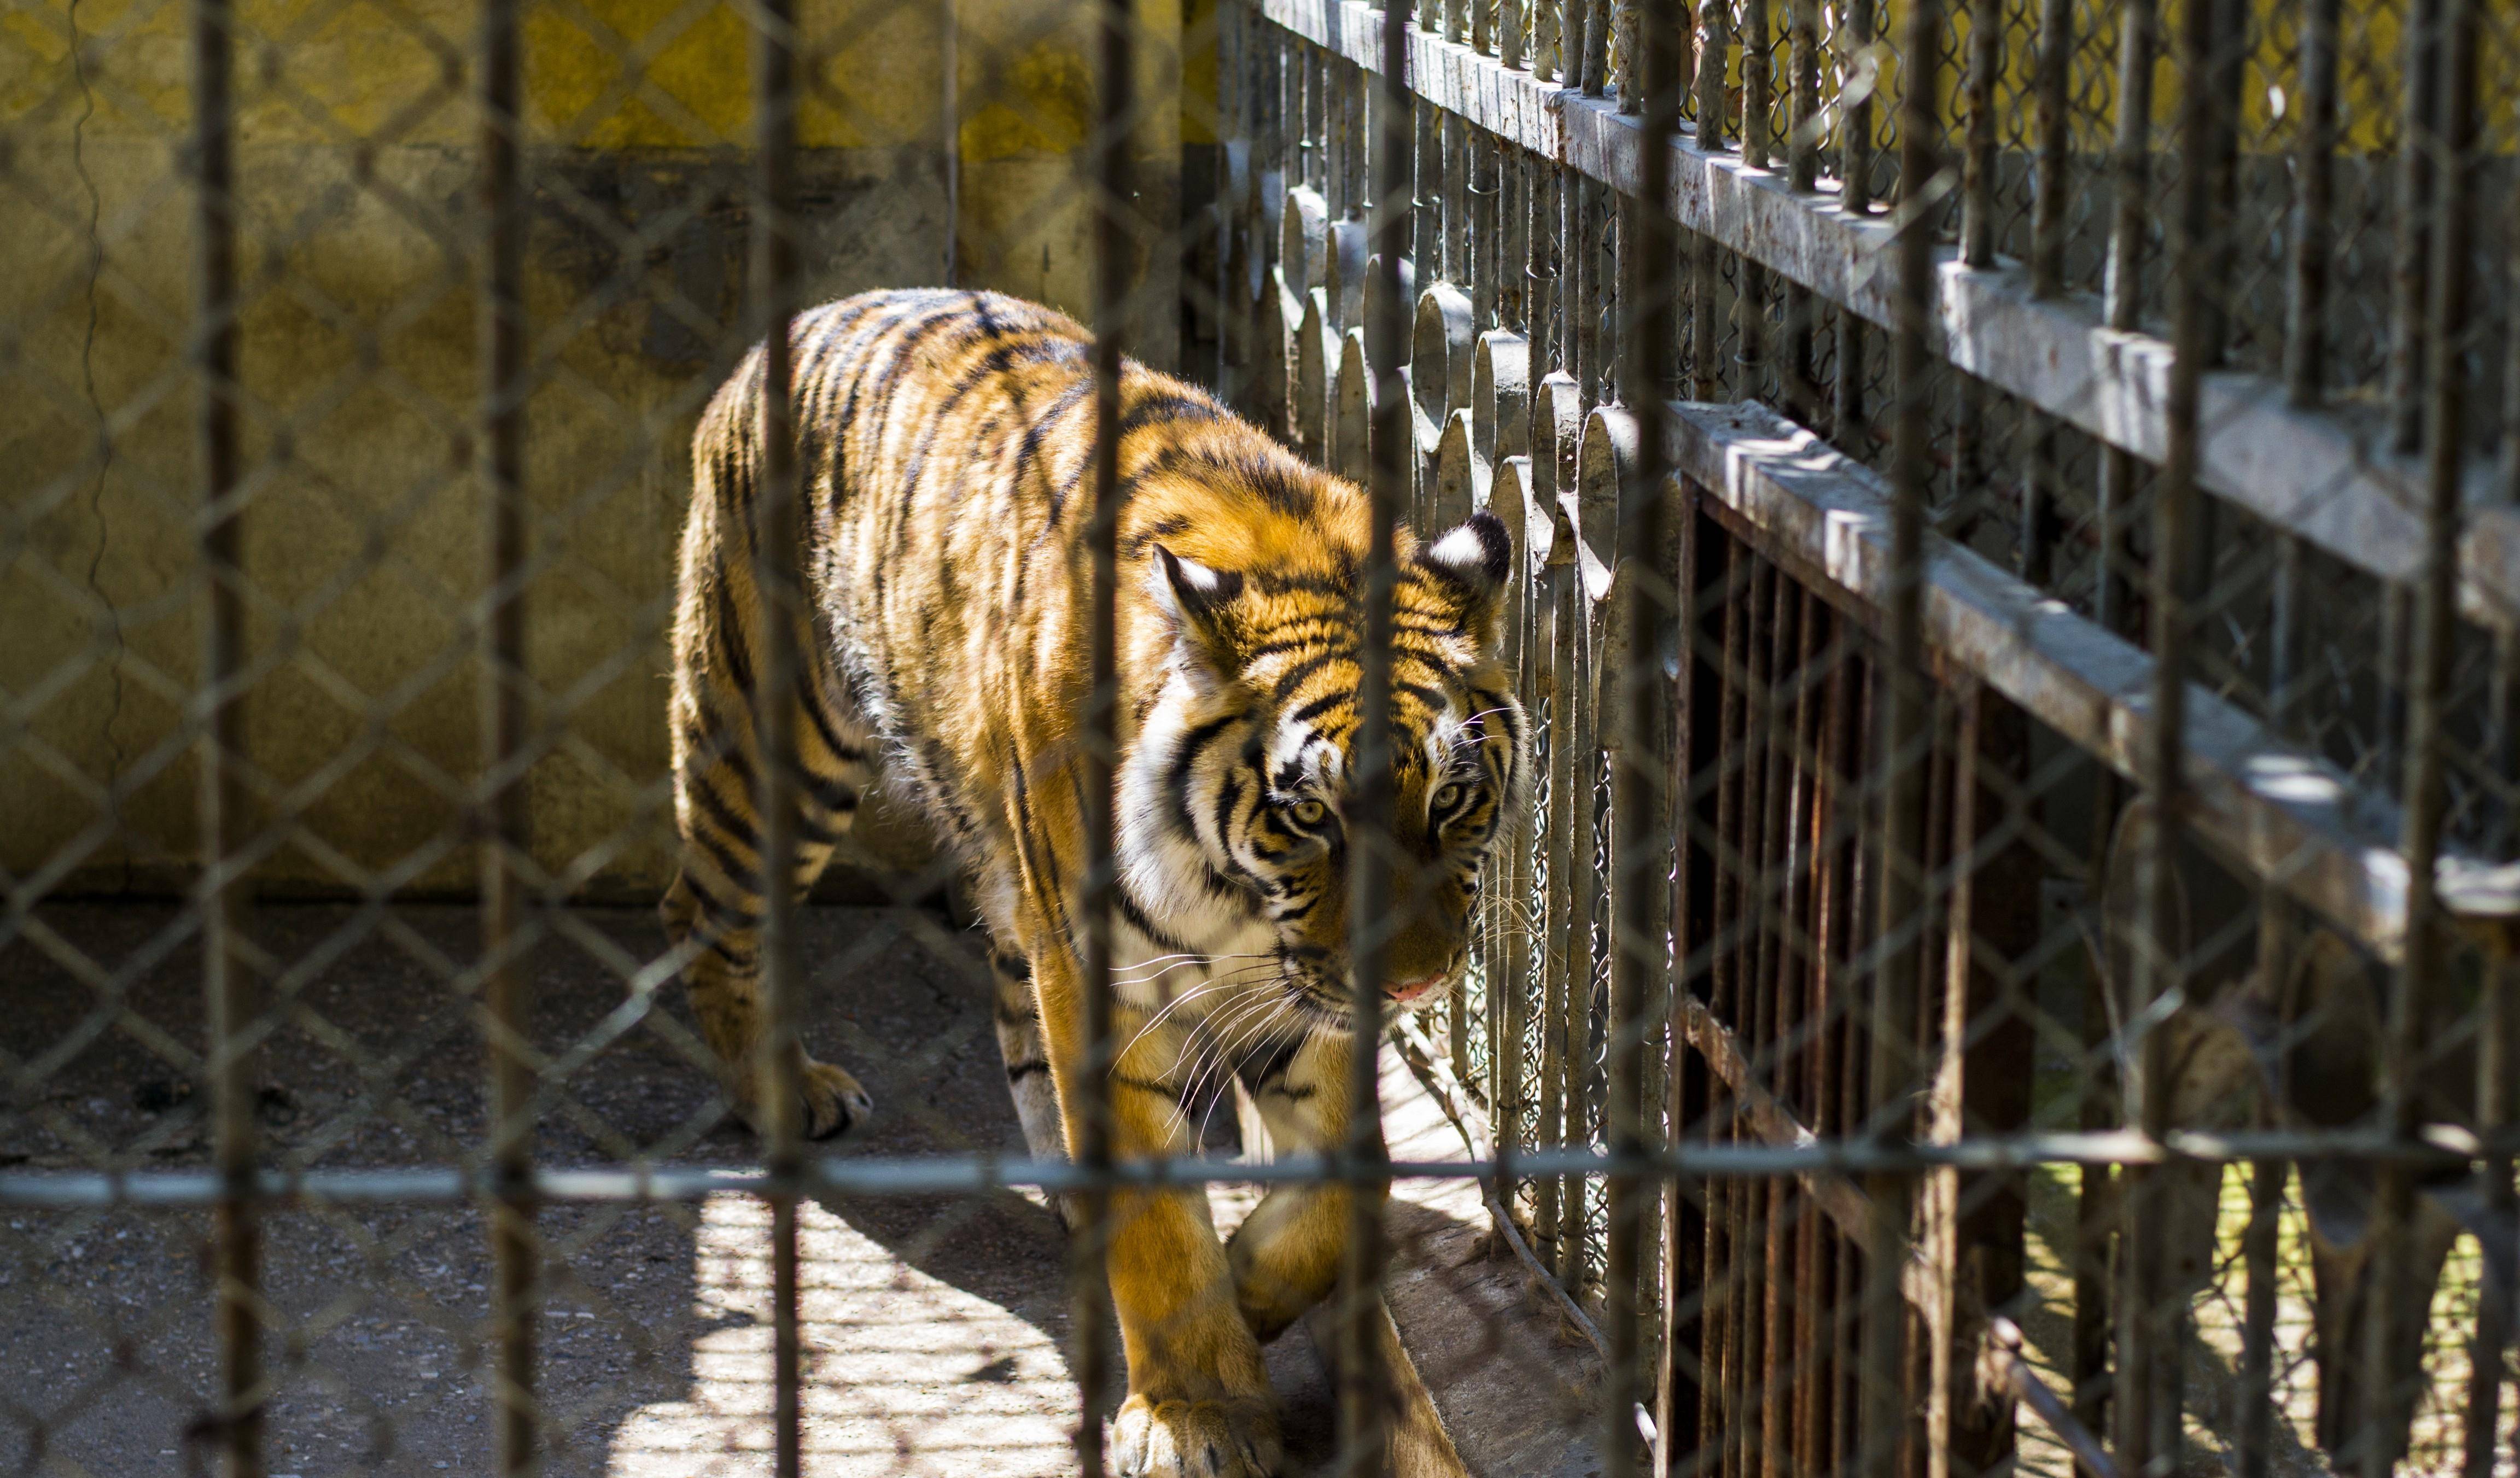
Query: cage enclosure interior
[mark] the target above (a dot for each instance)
(813, 737)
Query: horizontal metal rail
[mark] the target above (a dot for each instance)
(2443, 1146)
(2288, 816)
(2330, 478)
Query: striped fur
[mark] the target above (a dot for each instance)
(947, 441)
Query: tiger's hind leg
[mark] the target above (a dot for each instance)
(714, 913)
(714, 910)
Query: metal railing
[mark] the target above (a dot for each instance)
(2018, 589)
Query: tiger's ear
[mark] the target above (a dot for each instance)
(1200, 600)
(1474, 560)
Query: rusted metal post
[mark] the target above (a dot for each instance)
(2305, 362)
(1640, 817)
(1978, 162)
(1848, 412)
(1906, 732)
(2443, 149)
(1113, 185)
(228, 988)
(2053, 188)
(1804, 121)
(1705, 264)
(777, 573)
(1983, 1088)
(2419, 128)
(1373, 865)
(504, 689)
(1758, 105)
(2154, 1319)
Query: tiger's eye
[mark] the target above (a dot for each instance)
(1311, 813)
(1447, 795)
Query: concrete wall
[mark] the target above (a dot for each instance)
(364, 530)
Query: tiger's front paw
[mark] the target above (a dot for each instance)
(1195, 1439)
(833, 1101)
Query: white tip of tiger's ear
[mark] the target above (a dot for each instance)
(1475, 559)
(1478, 553)
(1200, 600)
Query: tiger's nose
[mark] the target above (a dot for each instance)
(1405, 991)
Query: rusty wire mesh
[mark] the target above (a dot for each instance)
(2008, 962)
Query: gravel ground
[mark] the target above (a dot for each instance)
(934, 1327)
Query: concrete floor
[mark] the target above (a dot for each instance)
(935, 1327)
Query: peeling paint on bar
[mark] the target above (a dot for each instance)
(2288, 816)
(2324, 476)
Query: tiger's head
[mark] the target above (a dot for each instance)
(1237, 797)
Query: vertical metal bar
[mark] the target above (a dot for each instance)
(1372, 863)
(2418, 128)
(1540, 274)
(1455, 189)
(775, 572)
(2122, 290)
(1805, 124)
(1583, 896)
(1487, 263)
(2131, 167)
(1597, 47)
(1557, 970)
(1723, 944)
(2305, 364)
(1641, 818)
(1625, 45)
(2260, 1242)
(1584, 288)
(503, 820)
(2152, 1322)
(1856, 86)
(1978, 164)
(2053, 191)
(1905, 735)
(227, 986)
(1847, 408)
(1681, 1396)
(2493, 1328)
(1427, 219)
(1115, 326)
(1511, 28)
(1705, 266)
(1758, 106)
(2445, 144)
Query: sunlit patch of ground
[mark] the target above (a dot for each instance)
(903, 1374)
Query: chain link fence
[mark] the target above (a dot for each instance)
(2006, 964)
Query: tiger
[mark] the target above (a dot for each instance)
(945, 441)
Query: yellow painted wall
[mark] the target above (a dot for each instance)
(364, 526)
